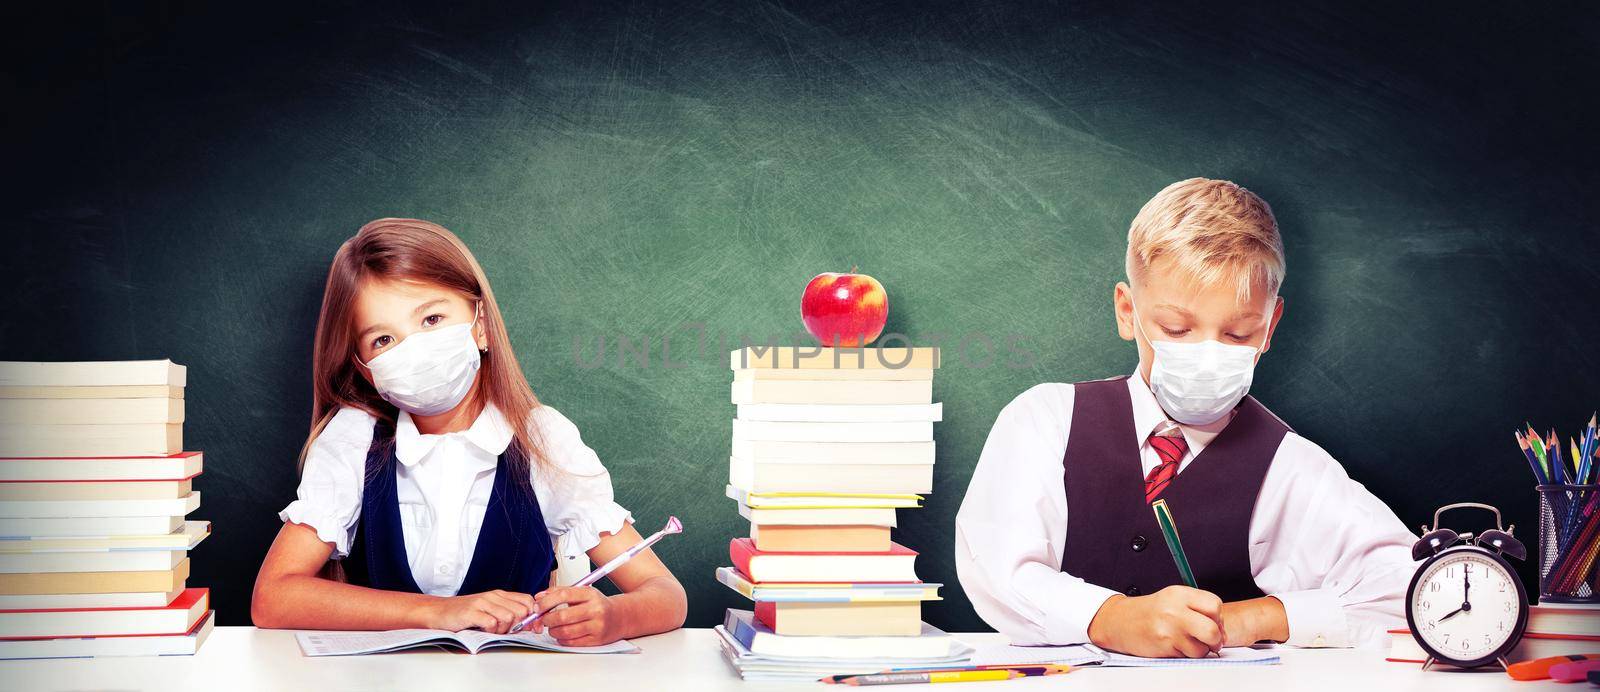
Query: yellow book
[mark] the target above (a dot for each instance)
(95, 582)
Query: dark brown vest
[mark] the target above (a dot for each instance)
(1112, 536)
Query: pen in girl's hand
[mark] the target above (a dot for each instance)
(673, 526)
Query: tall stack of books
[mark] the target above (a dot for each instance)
(827, 444)
(94, 491)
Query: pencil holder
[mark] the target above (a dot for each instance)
(1569, 543)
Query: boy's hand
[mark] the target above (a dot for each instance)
(1175, 622)
(588, 619)
(490, 611)
(1254, 620)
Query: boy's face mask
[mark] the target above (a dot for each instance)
(1199, 383)
(429, 372)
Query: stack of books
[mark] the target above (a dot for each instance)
(1554, 629)
(827, 444)
(94, 491)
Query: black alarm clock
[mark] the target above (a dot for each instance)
(1465, 605)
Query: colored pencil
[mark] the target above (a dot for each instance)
(1533, 462)
(1537, 444)
(874, 679)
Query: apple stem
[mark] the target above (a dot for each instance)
(852, 269)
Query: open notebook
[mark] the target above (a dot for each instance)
(321, 643)
(1091, 655)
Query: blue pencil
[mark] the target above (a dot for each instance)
(1533, 462)
(1553, 453)
(1586, 451)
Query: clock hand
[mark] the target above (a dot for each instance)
(1452, 614)
(1466, 587)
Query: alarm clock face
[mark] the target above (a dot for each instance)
(1466, 607)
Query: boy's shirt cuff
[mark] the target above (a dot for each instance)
(1316, 618)
(1066, 605)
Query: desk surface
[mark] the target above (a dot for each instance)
(245, 658)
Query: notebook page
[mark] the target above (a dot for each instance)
(1229, 656)
(352, 643)
(1003, 655)
(542, 641)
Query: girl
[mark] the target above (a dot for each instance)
(434, 477)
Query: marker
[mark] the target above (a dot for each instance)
(1539, 668)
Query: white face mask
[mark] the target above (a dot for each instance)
(1199, 383)
(429, 372)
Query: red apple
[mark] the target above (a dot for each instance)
(844, 310)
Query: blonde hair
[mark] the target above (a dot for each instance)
(1214, 231)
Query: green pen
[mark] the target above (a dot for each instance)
(1169, 531)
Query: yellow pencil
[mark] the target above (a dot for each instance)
(930, 677)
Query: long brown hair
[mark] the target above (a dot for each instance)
(421, 251)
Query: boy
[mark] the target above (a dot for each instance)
(1283, 545)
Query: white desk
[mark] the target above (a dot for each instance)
(244, 658)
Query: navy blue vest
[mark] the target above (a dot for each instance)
(513, 552)
(1113, 539)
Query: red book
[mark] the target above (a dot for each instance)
(895, 565)
(177, 617)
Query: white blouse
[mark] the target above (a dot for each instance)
(444, 483)
(1333, 553)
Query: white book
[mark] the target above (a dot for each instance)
(107, 647)
(113, 561)
(136, 599)
(129, 468)
(830, 478)
(92, 373)
(817, 358)
(130, 439)
(57, 527)
(136, 391)
(184, 539)
(787, 431)
(840, 413)
(90, 411)
(832, 392)
(342, 643)
(819, 500)
(789, 451)
(848, 516)
(42, 509)
(758, 641)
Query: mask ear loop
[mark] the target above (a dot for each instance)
(477, 312)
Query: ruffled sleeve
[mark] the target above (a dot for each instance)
(575, 497)
(329, 497)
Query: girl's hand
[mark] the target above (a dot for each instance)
(588, 620)
(490, 611)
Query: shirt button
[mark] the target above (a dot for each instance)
(1133, 591)
(1139, 544)
(447, 569)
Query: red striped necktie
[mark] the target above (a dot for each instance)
(1171, 449)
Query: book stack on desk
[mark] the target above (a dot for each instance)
(1554, 629)
(827, 444)
(94, 491)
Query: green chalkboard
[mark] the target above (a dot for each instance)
(665, 169)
